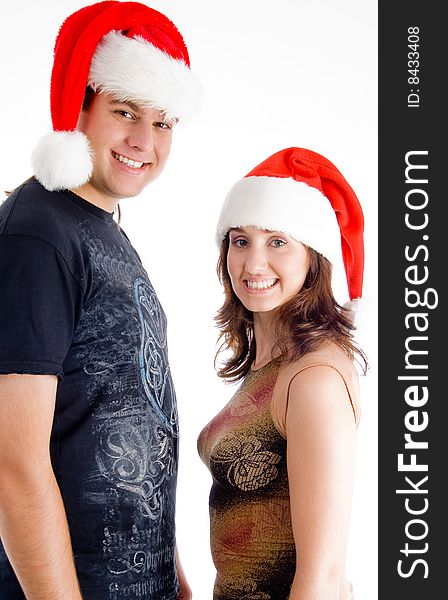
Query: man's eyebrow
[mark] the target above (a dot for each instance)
(128, 103)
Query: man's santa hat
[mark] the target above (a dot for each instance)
(122, 48)
(301, 193)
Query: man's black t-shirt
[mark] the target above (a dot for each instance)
(76, 302)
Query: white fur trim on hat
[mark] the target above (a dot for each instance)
(283, 204)
(132, 69)
(62, 160)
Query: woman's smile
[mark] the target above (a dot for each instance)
(262, 285)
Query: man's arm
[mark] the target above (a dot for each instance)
(33, 524)
(185, 590)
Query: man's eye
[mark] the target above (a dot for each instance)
(163, 125)
(125, 114)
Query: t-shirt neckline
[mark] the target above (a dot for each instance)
(92, 208)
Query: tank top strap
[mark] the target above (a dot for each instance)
(331, 357)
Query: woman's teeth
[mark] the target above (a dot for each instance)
(261, 285)
(128, 161)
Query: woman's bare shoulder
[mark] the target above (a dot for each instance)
(329, 362)
(329, 354)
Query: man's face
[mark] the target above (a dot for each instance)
(131, 146)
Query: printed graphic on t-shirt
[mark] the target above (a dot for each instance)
(136, 429)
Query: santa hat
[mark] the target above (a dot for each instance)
(301, 193)
(123, 48)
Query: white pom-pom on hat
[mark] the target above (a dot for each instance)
(63, 160)
(351, 309)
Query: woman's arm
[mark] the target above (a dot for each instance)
(321, 440)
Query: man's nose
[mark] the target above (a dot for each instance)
(141, 137)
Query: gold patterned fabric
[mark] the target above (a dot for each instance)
(251, 535)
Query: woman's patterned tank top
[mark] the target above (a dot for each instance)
(251, 535)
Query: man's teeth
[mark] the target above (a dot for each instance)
(128, 161)
(261, 285)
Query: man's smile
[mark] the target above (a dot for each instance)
(128, 161)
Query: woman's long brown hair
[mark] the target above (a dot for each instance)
(302, 324)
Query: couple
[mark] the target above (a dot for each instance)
(88, 421)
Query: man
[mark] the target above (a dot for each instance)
(88, 420)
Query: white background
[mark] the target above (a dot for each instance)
(276, 74)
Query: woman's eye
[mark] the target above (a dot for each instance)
(278, 243)
(239, 243)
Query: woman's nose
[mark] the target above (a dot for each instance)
(256, 262)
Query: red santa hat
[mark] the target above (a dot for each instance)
(126, 49)
(301, 193)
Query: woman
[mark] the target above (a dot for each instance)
(281, 453)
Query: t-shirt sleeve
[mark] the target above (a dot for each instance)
(40, 302)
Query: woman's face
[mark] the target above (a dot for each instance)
(266, 268)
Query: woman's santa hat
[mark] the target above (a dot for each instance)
(301, 193)
(122, 48)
